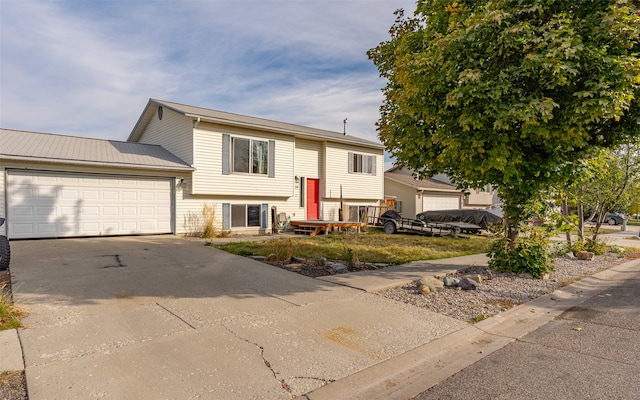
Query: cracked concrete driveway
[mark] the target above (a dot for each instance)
(160, 317)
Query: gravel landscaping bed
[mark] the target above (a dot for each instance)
(500, 293)
(13, 385)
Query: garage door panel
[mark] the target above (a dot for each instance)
(24, 194)
(45, 210)
(55, 205)
(90, 194)
(46, 227)
(111, 211)
(73, 194)
(130, 226)
(147, 225)
(129, 196)
(22, 211)
(23, 228)
(110, 195)
(91, 211)
(90, 227)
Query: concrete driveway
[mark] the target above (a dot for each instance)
(161, 317)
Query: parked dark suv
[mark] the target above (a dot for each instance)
(610, 218)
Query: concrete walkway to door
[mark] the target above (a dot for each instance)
(161, 317)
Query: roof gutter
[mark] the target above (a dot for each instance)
(95, 163)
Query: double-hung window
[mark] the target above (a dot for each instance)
(248, 156)
(362, 164)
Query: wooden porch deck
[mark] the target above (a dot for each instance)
(314, 227)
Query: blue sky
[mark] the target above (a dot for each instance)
(87, 68)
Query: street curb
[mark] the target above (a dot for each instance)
(10, 351)
(417, 370)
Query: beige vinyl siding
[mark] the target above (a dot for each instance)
(174, 132)
(406, 194)
(308, 158)
(209, 180)
(354, 185)
(189, 210)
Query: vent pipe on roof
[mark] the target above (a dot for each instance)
(345, 126)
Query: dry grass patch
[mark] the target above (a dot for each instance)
(13, 385)
(504, 303)
(570, 281)
(10, 315)
(373, 246)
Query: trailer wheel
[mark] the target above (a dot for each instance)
(5, 253)
(390, 227)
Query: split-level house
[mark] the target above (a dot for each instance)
(177, 161)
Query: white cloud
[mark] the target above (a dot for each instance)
(88, 68)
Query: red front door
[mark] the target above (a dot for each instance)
(313, 198)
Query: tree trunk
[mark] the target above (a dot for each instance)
(512, 229)
(565, 213)
(581, 223)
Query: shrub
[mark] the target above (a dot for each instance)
(597, 247)
(350, 257)
(531, 254)
(280, 250)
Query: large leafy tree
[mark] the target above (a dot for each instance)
(509, 92)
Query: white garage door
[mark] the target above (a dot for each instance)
(44, 205)
(430, 203)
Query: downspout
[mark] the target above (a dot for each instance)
(196, 123)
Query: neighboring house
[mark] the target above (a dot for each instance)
(413, 196)
(247, 169)
(482, 198)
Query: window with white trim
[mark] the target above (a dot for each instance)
(250, 156)
(245, 215)
(362, 164)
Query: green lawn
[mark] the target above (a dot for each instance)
(372, 246)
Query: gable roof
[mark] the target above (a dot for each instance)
(47, 147)
(230, 119)
(405, 177)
